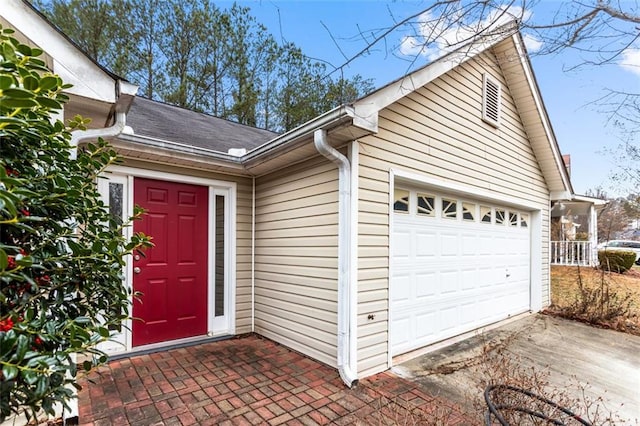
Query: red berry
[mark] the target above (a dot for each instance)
(11, 262)
(6, 324)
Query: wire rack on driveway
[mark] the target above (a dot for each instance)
(509, 405)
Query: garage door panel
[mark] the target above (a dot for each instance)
(426, 285)
(402, 247)
(452, 276)
(448, 282)
(402, 288)
(425, 324)
(470, 244)
(449, 243)
(425, 244)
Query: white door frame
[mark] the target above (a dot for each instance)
(224, 325)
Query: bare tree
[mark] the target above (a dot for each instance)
(599, 33)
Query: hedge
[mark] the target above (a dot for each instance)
(616, 260)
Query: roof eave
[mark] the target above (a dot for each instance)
(372, 103)
(518, 71)
(155, 150)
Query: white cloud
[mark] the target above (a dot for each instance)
(438, 36)
(631, 60)
(410, 46)
(532, 43)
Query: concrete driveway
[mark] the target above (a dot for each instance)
(568, 354)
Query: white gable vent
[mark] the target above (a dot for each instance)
(491, 100)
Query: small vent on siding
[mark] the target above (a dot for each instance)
(491, 101)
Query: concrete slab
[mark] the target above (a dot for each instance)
(569, 354)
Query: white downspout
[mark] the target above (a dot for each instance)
(72, 411)
(345, 363)
(79, 135)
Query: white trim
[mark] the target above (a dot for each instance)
(121, 341)
(354, 151)
(535, 263)
(71, 64)
(544, 118)
(215, 187)
(253, 255)
(392, 186)
(461, 189)
(211, 259)
(129, 274)
(368, 107)
(230, 247)
(171, 177)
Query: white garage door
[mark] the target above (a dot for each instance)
(457, 265)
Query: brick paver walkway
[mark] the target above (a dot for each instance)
(248, 381)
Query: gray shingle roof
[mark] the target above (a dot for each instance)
(170, 123)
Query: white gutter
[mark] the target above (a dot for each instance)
(303, 130)
(346, 362)
(80, 135)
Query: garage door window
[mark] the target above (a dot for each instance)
(449, 209)
(401, 201)
(485, 214)
(524, 220)
(513, 219)
(501, 217)
(426, 205)
(469, 212)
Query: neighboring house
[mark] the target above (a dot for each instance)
(415, 215)
(574, 230)
(574, 227)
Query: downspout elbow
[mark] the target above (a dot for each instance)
(80, 135)
(344, 361)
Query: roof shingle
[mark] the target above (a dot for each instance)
(174, 124)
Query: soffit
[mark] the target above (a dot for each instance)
(521, 81)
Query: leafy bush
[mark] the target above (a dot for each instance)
(616, 260)
(61, 253)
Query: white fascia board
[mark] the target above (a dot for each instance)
(592, 200)
(560, 195)
(366, 109)
(72, 65)
(544, 118)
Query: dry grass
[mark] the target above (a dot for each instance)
(624, 288)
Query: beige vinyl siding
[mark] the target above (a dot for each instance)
(243, 233)
(437, 132)
(297, 257)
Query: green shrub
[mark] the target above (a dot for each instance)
(616, 260)
(61, 253)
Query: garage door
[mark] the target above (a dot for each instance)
(457, 265)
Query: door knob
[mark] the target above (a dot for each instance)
(137, 270)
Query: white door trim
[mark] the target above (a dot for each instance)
(126, 176)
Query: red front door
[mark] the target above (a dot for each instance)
(172, 277)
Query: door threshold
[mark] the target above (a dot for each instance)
(161, 347)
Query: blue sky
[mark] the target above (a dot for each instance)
(329, 30)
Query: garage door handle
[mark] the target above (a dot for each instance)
(507, 273)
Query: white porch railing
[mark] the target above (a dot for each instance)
(583, 253)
